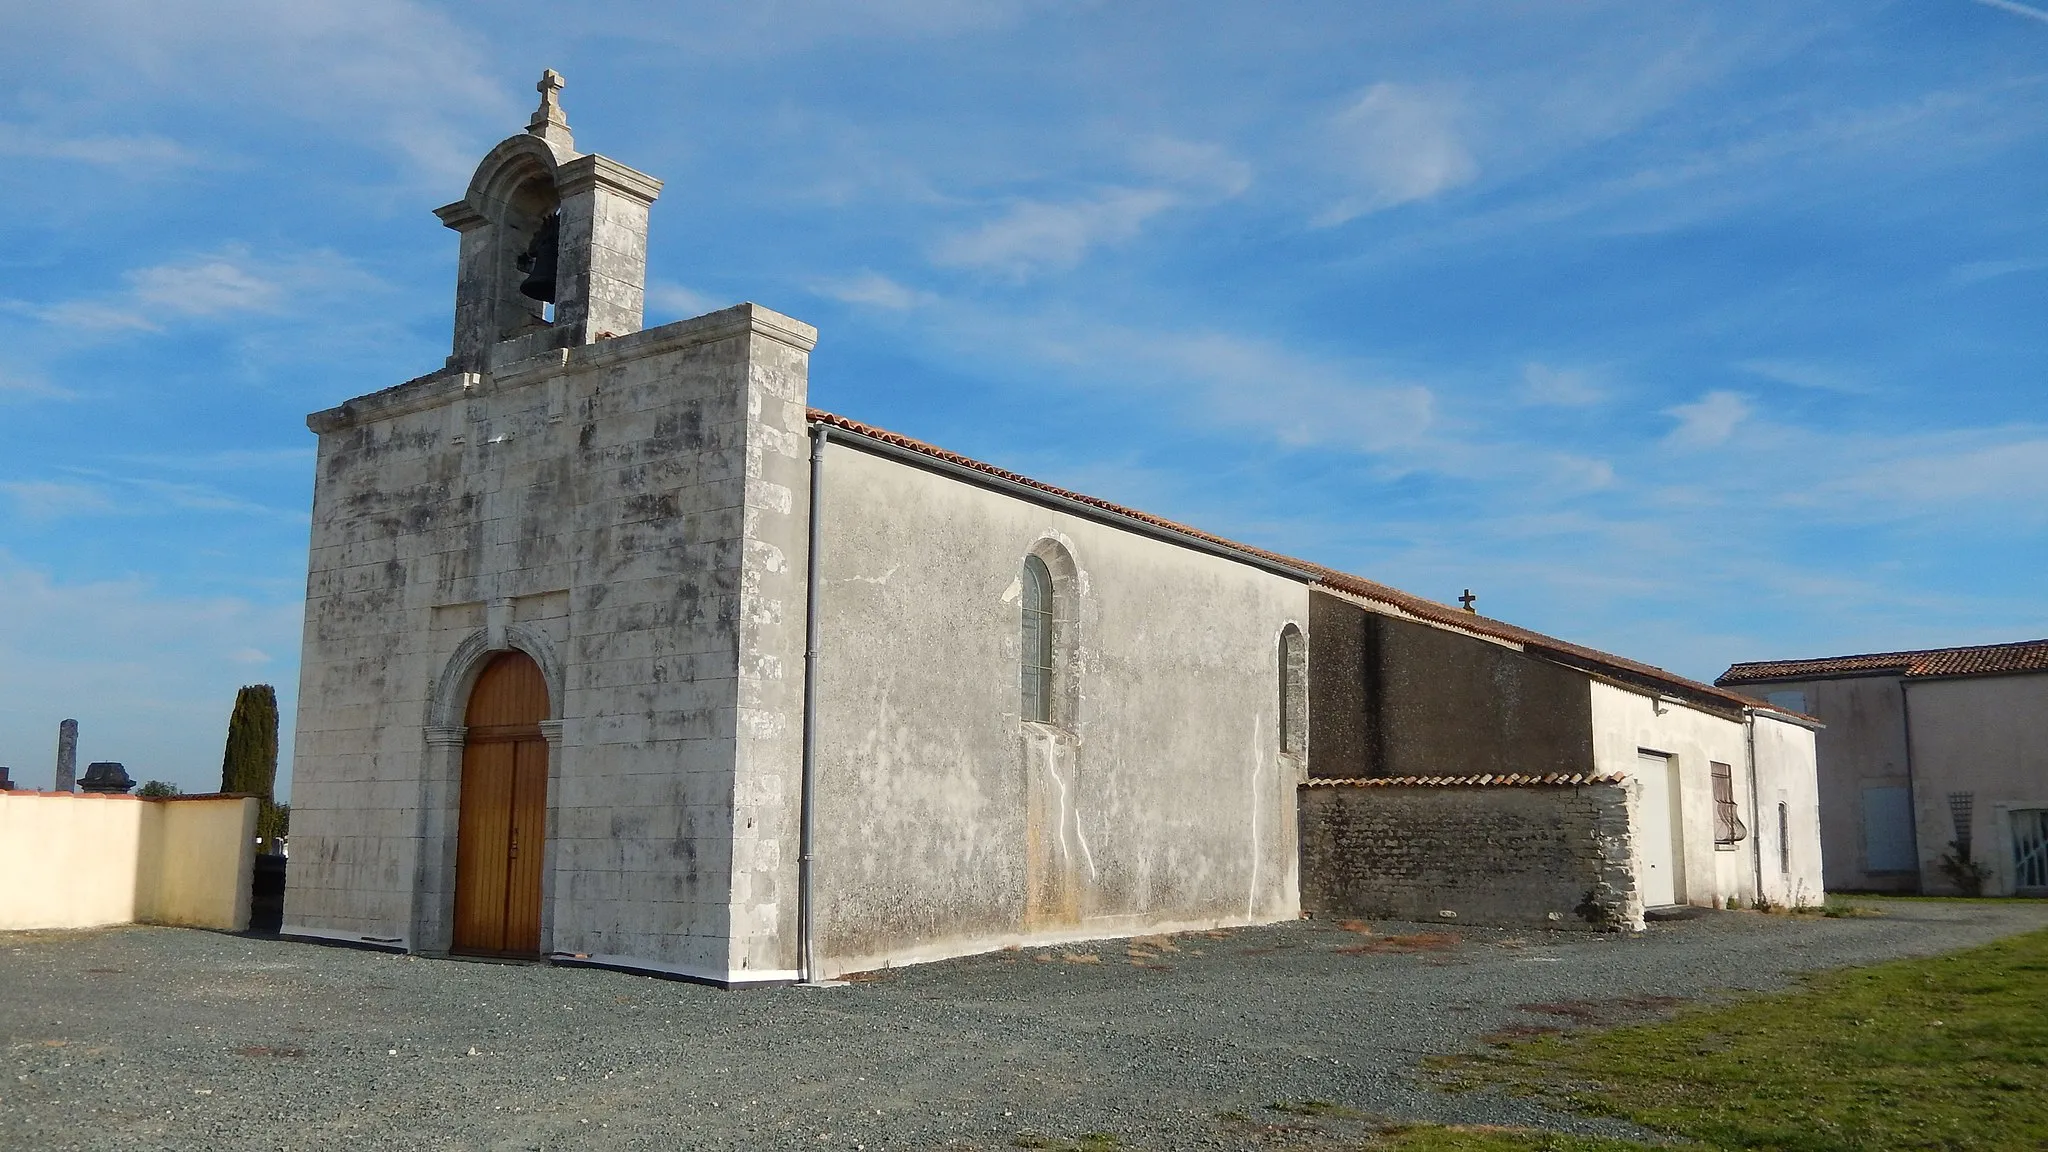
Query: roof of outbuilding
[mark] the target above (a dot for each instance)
(1510, 780)
(1976, 660)
(1402, 603)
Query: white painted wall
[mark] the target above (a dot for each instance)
(1786, 774)
(1628, 723)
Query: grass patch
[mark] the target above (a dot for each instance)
(1436, 1138)
(1948, 1052)
(1091, 1142)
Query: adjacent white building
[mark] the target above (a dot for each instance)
(1940, 752)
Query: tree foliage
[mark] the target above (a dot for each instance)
(158, 789)
(249, 766)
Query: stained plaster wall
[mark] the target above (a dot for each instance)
(630, 513)
(1863, 746)
(1626, 722)
(1395, 697)
(950, 825)
(1987, 736)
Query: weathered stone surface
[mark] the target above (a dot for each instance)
(1544, 856)
(67, 757)
(611, 511)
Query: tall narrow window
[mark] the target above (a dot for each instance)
(1037, 648)
(1785, 839)
(1293, 692)
(1728, 827)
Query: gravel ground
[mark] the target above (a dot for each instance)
(169, 1038)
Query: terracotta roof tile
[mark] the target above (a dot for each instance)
(1508, 781)
(1562, 651)
(1978, 660)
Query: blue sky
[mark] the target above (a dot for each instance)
(1694, 331)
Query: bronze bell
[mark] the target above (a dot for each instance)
(539, 261)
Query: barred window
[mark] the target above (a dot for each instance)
(1037, 648)
(1728, 827)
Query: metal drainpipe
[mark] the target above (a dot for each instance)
(1756, 812)
(807, 821)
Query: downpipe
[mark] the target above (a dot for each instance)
(807, 905)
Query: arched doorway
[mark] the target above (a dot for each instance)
(504, 797)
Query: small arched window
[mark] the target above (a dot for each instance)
(1293, 691)
(1037, 636)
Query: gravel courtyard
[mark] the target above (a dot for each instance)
(168, 1038)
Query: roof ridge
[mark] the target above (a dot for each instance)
(1431, 611)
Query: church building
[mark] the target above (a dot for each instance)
(616, 652)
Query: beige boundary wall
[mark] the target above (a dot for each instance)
(82, 860)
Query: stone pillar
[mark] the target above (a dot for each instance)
(602, 275)
(67, 757)
(6, 785)
(440, 814)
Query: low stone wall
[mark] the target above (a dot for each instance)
(81, 860)
(1547, 852)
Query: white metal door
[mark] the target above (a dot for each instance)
(1659, 844)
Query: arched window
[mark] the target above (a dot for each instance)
(1293, 692)
(1037, 636)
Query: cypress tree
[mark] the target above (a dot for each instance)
(249, 765)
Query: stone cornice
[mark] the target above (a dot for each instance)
(587, 172)
(449, 384)
(461, 216)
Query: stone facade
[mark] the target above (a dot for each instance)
(1539, 856)
(628, 514)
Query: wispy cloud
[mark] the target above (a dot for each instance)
(668, 300)
(1809, 375)
(397, 75)
(230, 281)
(2017, 9)
(1560, 387)
(20, 385)
(55, 499)
(1979, 270)
(1397, 143)
(873, 290)
(99, 493)
(1708, 421)
(1037, 236)
(132, 152)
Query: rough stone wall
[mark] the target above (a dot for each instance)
(622, 511)
(1546, 856)
(947, 823)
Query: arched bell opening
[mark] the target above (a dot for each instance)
(501, 833)
(528, 257)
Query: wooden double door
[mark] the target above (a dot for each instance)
(502, 832)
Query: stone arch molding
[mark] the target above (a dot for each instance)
(1070, 628)
(449, 698)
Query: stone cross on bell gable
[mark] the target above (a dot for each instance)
(549, 123)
